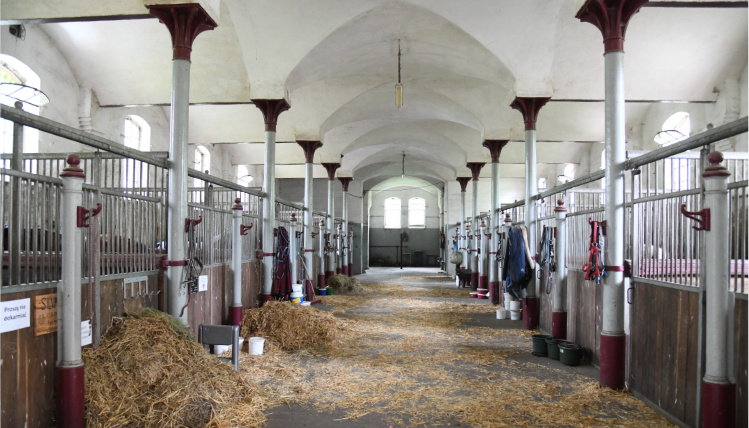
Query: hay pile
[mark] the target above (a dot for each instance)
(343, 284)
(292, 327)
(146, 373)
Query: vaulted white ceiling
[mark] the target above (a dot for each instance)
(335, 61)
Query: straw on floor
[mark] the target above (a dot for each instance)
(147, 373)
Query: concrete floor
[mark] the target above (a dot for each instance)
(296, 415)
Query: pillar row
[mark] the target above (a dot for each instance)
(330, 270)
(309, 148)
(462, 236)
(271, 109)
(529, 107)
(611, 17)
(495, 148)
(475, 168)
(185, 22)
(345, 242)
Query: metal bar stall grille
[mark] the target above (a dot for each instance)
(31, 235)
(739, 211)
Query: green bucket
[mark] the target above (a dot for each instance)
(539, 344)
(552, 348)
(570, 353)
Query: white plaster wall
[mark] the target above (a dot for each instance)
(377, 210)
(292, 190)
(40, 54)
(109, 122)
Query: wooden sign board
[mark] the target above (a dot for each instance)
(45, 314)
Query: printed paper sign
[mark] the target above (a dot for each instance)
(203, 283)
(86, 332)
(45, 314)
(16, 314)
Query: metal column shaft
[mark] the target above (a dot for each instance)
(531, 189)
(176, 294)
(331, 219)
(235, 311)
(559, 308)
(463, 238)
(344, 232)
(308, 224)
(269, 212)
(476, 233)
(293, 250)
(493, 230)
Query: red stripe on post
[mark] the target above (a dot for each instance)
(70, 397)
(613, 349)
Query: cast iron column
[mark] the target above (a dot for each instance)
(309, 148)
(293, 247)
(271, 109)
(185, 22)
(462, 236)
(70, 372)
(321, 251)
(611, 18)
(559, 309)
(530, 107)
(235, 310)
(331, 167)
(345, 242)
(475, 168)
(495, 148)
(718, 393)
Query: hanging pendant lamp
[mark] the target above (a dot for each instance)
(399, 86)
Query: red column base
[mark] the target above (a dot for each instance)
(235, 315)
(474, 280)
(559, 325)
(338, 271)
(484, 282)
(718, 405)
(613, 350)
(321, 280)
(70, 397)
(266, 298)
(530, 313)
(329, 273)
(351, 269)
(494, 292)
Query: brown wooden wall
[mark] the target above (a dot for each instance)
(742, 364)
(584, 302)
(28, 368)
(663, 356)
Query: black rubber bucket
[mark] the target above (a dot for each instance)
(539, 344)
(552, 348)
(570, 353)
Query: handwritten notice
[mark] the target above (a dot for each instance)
(86, 335)
(203, 283)
(16, 314)
(45, 314)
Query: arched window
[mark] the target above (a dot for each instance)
(417, 212)
(202, 162)
(243, 176)
(676, 128)
(136, 135)
(392, 213)
(14, 71)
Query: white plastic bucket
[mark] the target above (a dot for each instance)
(514, 315)
(501, 314)
(220, 349)
(508, 298)
(515, 305)
(296, 288)
(297, 298)
(256, 345)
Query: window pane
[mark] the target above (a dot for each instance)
(392, 213)
(416, 212)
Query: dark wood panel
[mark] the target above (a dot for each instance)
(28, 373)
(546, 306)
(742, 412)
(663, 351)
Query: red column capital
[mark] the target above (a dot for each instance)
(495, 148)
(309, 148)
(475, 168)
(529, 108)
(331, 167)
(271, 110)
(463, 182)
(345, 182)
(185, 22)
(611, 17)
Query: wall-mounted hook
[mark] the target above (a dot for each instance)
(193, 223)
(84, 215)
(244, 230)
(702, 217)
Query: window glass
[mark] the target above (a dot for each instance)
(416, 213)
(392, 213)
